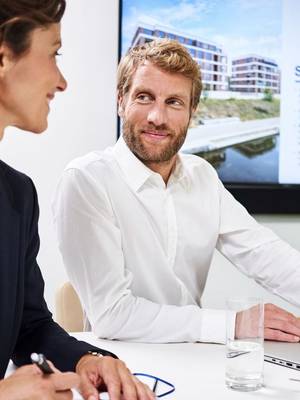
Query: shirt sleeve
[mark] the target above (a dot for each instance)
(256, 251)
(91, 245)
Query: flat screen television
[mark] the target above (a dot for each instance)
(247, 124)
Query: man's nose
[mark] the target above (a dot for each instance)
(157, 115)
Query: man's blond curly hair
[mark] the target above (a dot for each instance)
(168, 55)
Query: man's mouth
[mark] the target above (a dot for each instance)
(155, 135)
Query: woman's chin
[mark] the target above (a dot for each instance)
(37, 129)
(40, 130)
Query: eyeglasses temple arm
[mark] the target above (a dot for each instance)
(155, 386)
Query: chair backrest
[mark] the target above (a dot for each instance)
(68, 310)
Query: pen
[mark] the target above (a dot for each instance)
(41, 362)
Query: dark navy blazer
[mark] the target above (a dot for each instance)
(26, 324)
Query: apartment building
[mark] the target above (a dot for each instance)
(209, 55)
(254, 74)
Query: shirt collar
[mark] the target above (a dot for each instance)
(135, 171)
(137, 174)
(180, 173)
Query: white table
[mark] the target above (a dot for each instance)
(196, 370)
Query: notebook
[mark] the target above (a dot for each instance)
(284, 354)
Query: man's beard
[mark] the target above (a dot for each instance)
(134, 141)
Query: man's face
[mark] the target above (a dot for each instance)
(156, 113)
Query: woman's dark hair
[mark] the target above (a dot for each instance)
(18, 18)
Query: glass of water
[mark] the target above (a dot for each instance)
(245, 344)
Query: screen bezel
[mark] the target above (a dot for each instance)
(257, 198)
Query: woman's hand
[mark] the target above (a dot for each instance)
(28, 383)
(111, 375)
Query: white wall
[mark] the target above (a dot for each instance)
(84, 118)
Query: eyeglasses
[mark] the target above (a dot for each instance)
(159, 386)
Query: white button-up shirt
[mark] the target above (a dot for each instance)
(138, 251)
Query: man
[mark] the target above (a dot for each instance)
(138, 223)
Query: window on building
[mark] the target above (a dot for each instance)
(147, 31)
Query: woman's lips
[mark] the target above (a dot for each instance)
(50, 97)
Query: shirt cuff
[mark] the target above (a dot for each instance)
(214, 326)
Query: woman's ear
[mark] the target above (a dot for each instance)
(7, 60)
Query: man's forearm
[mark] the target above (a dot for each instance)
(140, 320)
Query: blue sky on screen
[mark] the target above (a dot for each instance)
(240, 26)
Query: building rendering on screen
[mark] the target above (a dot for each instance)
(254, 74)
(209, 55)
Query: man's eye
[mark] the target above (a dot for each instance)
(144, 98)
(175, 102)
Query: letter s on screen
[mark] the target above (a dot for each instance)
(297, 70)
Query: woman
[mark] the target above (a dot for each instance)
(29, 79)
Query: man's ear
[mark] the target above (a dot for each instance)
(121, 106)
(7, 60)
(192, 111)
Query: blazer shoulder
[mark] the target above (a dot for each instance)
(15, 177)
(17, 185)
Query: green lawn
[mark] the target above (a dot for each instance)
(244, 109)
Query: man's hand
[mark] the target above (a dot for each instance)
(279, 325)
(28, 383)
(111, 375)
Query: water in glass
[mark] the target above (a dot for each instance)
(244, 364)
